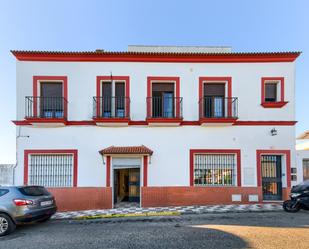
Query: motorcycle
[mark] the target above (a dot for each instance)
(299, 198)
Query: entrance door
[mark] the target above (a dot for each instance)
(126, 185)
(271, 177)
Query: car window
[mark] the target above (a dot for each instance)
(3, 191)
(33, 191)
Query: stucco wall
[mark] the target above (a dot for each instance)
(169, 164)
(246, 85)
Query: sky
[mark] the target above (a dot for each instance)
(73, 25)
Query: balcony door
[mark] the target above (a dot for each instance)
(163, 100)
(51, 100)
(113, 99)
(214, 100)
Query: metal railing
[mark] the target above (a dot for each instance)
(218, 107)
(46, 107)
(164, 107)
(111, 107)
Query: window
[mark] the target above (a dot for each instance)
(306, 169)
(112, 100)
(163, 100)
(273, 92)
(51, 100)
(3, 192)
(214, 100)
(215, 169)
(51, 170)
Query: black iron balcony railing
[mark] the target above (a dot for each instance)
(111, 107)
(46, 107)
(164, 107)
(218, 107)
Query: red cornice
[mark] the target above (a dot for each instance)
(155, 57)
(279, 123)
(143, 122)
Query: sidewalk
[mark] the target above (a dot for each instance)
(157, 211)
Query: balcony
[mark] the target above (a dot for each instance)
(111, 111)
(215, 110)
(46, 110)
(164, 111)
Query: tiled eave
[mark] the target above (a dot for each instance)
(155, 57)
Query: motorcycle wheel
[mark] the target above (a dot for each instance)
(290, 206)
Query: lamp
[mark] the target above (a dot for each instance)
(273, 132)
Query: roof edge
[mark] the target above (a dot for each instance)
(105, 56)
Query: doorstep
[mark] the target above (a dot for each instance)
(157, 211)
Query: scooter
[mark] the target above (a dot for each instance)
(299, 198)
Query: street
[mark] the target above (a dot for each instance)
(226, 230)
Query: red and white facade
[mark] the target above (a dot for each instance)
(193, 148)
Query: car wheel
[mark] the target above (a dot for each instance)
(45, 219)
(6, 225)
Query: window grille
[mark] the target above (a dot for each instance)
(215, 170)
(51, 170)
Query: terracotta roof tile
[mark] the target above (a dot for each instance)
(141, 150)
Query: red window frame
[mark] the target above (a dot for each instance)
(287, 154)
(29, 152)
(279, 103)
(225, 80)
(163, 79)
(126, 79)
(237, 152)
(36, 82)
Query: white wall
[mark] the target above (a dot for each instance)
(246, 85)
(170, 161)
(300, 155)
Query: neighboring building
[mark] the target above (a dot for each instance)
(157, 125)
(302, 156)
(7, 174)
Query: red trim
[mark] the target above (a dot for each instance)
(46, 120)
(108, 171)
(145, 172)
(287, 153)
(274, 104)
(156, 57)
(164, 120)
(138, 122)
(226, 80)
(216, 151)
(218, 120)
(111, 120)
(36, 81)
(279, 123)
(75, 158)
(184, 122)
(126, 79)
(164, 79)
(278, 104)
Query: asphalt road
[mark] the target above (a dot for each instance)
(242, 230)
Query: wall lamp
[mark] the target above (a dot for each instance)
(273, 132)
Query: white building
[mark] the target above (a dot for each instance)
(156, 125)
(302, 156)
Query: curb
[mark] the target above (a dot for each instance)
(108, 216)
